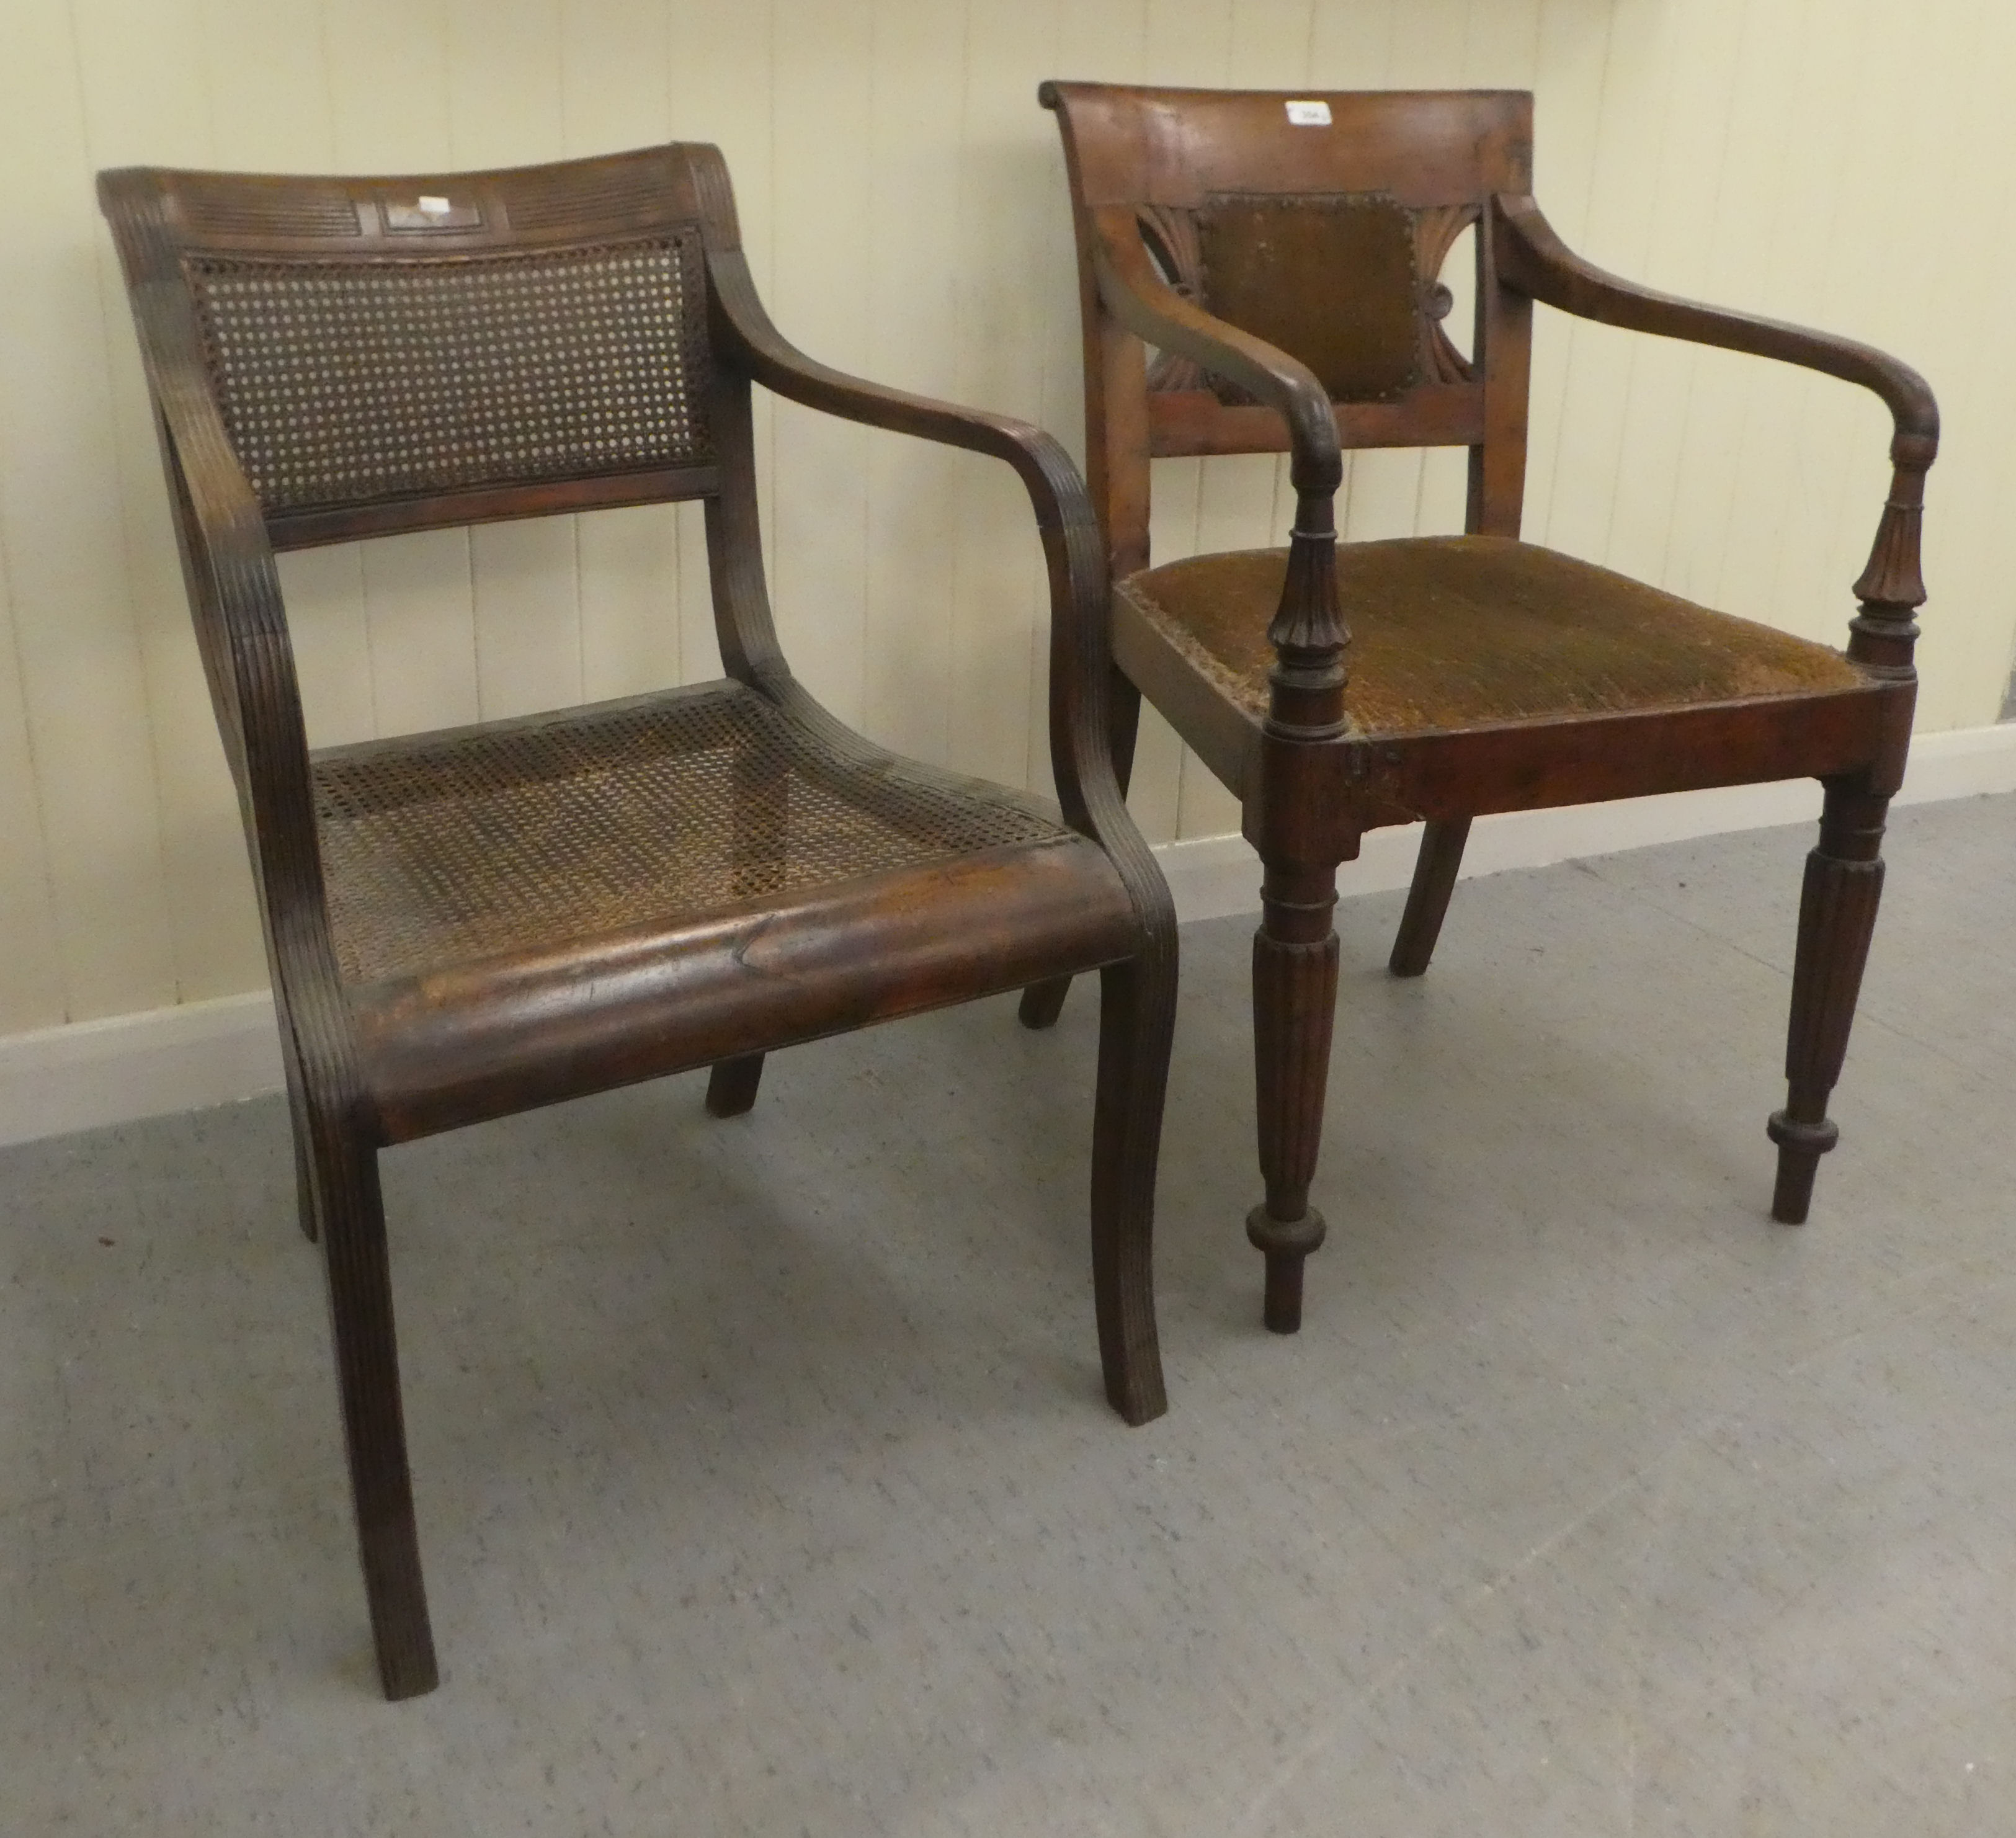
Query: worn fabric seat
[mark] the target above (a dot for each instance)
(1449, 631)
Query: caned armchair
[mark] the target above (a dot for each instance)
(463, 924)
(1281, 255)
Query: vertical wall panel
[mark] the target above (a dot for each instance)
(422, 624)
(910, 341)
(271, 108)
(720, 87)
(150, 93)
(83, 676)
(31, 993)
(1006, 230)
(1270, 43)
(818, 296)
(1616, 234)
(1733, 266)
(1680, 206)
(1958, 334)
(1775, 512)
(527, 617)
(1573, 53)
(324, 592)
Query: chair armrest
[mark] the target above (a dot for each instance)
(1081, 746)
(1532, 258)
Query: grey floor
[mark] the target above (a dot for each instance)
(765, 1486)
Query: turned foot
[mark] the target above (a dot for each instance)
(1843, 884)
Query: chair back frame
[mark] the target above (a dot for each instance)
(1155, 173)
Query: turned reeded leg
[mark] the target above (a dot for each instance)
(1428, 897)
(1294, 998)
(1837, 914)
(731, 1086)
(367, 1360)
(1042, 1002)
(1295, 821)
(1137, 1008)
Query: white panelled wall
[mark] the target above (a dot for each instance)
(1836, 162)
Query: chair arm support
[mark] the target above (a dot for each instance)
(1081, 748)
(1307, 632)
(1532, 258)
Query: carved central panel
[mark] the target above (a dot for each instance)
(1348, 282)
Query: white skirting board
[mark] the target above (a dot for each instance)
(127, 1067)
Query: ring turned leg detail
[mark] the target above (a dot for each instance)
(1844, 882)
(1294, 999)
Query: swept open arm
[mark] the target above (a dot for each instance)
(234, 590)
(247, 656)
(1081, 748)
(1532, 258)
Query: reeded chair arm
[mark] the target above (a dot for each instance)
(1081, 752)
(248, 658)
(1533, 259)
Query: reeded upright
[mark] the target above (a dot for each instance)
(1282, 254)
(463, 924)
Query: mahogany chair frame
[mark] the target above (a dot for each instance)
(366, 1068)
(1141, 163)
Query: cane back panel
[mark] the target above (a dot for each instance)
(396, 353)
(347, 382)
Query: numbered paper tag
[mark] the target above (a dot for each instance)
(428, 212)
(1308, 114)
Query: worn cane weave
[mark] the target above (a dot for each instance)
(343, 382)
(462, 846)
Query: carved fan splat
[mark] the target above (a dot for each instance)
(1172, 237)
(1435, 232)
